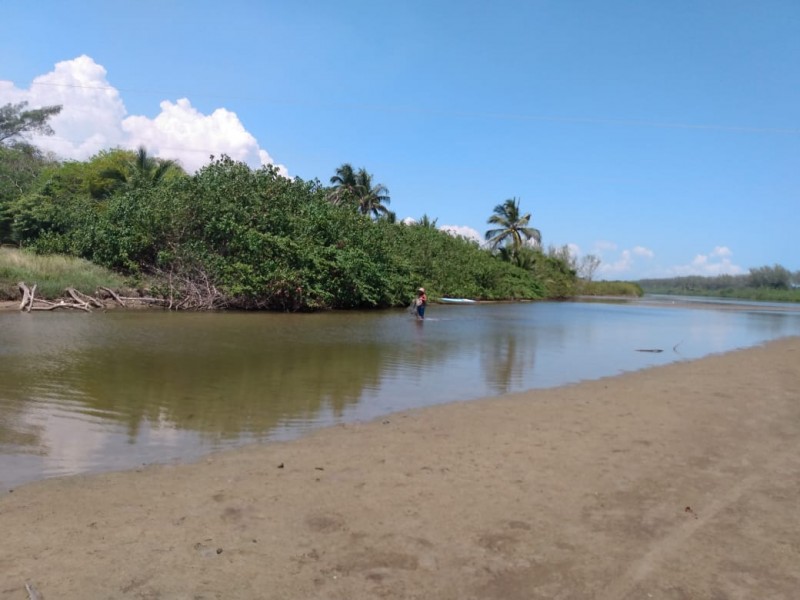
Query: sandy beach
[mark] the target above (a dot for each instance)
(678, 482)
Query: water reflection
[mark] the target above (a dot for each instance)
(102, 391)
(504, 363)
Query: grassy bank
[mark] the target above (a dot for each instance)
(52, 274)
(610, 288)
(765, 295)
(758, 294)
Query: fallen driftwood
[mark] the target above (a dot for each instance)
(60, 304)
(76, 300)
(198, 297)
(122, 300)
(113, 294)
(27, 296)
(30, 302)
(33, 593)
(83, 298)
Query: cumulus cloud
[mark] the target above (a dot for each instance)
(462, 231)
(638, 261)
(180, 130)
(92, 112)
(94, 118)
(716, 262)
(623, 263)
(721, 252)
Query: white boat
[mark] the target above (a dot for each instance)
(457, 301)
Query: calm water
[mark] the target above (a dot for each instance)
(114, 390)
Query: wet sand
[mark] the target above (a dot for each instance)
(678, 482)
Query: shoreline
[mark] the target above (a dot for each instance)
(678, 481)
(702, 302)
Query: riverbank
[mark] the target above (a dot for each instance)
(675, 482)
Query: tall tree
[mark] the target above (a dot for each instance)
(354, 186)
(777, 277)
(372, 199)
(344, 184)
(20, 165)
(587, 266)
(15, 121)
(426, 221)
(512, 229)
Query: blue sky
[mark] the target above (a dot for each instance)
(663, 137)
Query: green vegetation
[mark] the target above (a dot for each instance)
(243, 238)
(512, 230)
(356, 188)
(51, 274)
(611, 288)
(16, 121)
(457, 267)
(231, 236)
(772, 284)
(132, 171)
(514, 241)
(20, 162)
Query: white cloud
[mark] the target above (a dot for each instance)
(92, 110)
(635, 261)
(181, 131)
(721, 251)
(716, 262)
(462, 231)
(624, 262)
(643, 252)
(94, 118)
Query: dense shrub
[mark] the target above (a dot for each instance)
(255, 239)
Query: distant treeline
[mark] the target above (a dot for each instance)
(770, 283)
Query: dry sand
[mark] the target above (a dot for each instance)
(679, 482)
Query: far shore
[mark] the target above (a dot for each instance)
(679, 481)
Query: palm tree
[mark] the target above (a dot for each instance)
(344, 184)
(372, 200)
(523, 257)
(513, 230)
(426, 221)
(357, 186)
(142, 169)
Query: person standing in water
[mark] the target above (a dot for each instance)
(421, 302)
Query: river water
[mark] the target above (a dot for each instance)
(115, 390)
